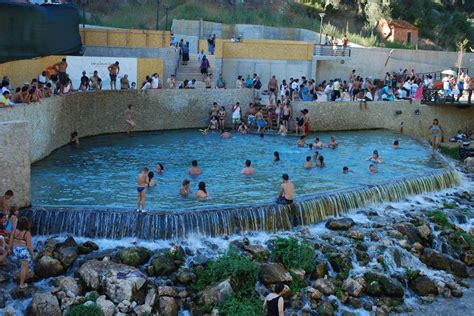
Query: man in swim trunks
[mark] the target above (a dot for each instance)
(142, 183)
(261, 124)
(248, 170)
(62, 67)
(194, 170)
(251, 115)
(273, 86)
(5, 202)
(287, 191)
(114, 70)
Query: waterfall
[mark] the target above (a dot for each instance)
(118, 224)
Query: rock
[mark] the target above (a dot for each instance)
(356, 234)
(118, 281)
(215, 295)
(4, 277)
(340, 262)
(142, 310)
(69, 284)
(440, 261)
(423, 286)
(456, 293)
(186, 276)
(125, 306)
(314, 294)
(298, 273)
(2, 300)
(409, 230)
(424, 232)
(395, 234)
(326, 309)
(390, 287)
(107, 307)
(258, 252)
(66, 255)
(325, 286)
(352, 287)
(44, 304)
(271, 273)
(87, 247)
(68, 242)
(167, 291)
(340, 223)
(47, 267)
(162, 265)
(135, 256)
(177, 252)
(151, 298)
(319, 271)
(468, 258)
(373, 236)
(168, 306)
(9, 311)
(18, 293)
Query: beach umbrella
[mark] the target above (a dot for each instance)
(449, 72)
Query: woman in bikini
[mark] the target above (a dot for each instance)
(221, 115)
(436, 135)
(22, 248)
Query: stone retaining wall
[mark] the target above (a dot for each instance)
(50, 122)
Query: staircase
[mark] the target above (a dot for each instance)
(193, 71)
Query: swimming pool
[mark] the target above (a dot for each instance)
(102, 171)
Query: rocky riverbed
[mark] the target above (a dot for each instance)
(415, 256)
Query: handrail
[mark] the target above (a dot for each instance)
(433, 96)
(332, 50)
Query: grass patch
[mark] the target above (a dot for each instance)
(451, 152)
(468, 238)
(293, 254)
(85, 310)
(237, 306)
(440, 218)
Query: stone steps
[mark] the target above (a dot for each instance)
(193, 71)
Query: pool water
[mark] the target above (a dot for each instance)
(102, 171)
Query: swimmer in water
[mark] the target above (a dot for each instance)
(243, 129)
(308, 164)
(283, 131)
(185, 189)
(332, 142)
(213, 125)
(194, 170)
(375, 157)
(248, 170)
(276, 156)
(160, 169)
(226, 135)
(317, 143)
(201, 194)
(345, 170)
(373, 169)
(316, 155)
(151, 180)
(320, 163)
(142, 183)
(301, 142)
(74, 140)
(396, 144)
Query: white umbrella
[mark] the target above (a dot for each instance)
(449, 72)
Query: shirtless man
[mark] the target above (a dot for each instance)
(248, 170)
(128, 115)
(171, 82)
(185, 189)
(287, 191)
(226, 135)
(373, 169)
(62, 67)
(142, 183)
(308, 164)
(273, 86)
(194, 170)
(5, 202)
(114, 70)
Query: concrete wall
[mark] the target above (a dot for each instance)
(124, 38)
(15, 161)
(21, 71)
(168, 57)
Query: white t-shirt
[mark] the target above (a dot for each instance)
(336, 86)
(146, 86)
(294, 85)
(155, 82)
(41, 79)
(368, 95)
(236, 112)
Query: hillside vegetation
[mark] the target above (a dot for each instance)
(442, 23)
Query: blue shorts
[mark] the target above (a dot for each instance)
(140, 189)
(261, 123)
(21, 253)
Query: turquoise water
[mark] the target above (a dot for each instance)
(102, 171)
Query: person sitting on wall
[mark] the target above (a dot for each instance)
(287, 191)
(74, 140)
(95, 81)
(84, 86)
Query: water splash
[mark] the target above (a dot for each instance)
(118, 224)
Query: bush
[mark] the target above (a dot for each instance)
(242, 271)
(85, 310)
(293, 254)
(237, 306)
(440, 218)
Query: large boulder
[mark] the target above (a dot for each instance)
(186, 276)
(162, 264)
(325, 286)
(107, 307)
(48, 266)
(87, 247)
(215, 295)
(424, 231)
(69, 285)
(390, 287)
(271, 273)
(436, 260)
(168, 306)
(352, 287)
(44, 304)
(119, 282)
(340, 262)
(340, 223)
(66, 255)
(409, 230)
(135, 256)
(423, 285)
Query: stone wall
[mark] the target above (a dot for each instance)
(124, 37)
(15, 161)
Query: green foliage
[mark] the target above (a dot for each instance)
(235, 305)
(294, 254)
(84, 310)
(297, 284)
(448, 205)
(92, 296)
(440, 218)
(467, 238)
(242, 271)
(452, 152)
(411, 274)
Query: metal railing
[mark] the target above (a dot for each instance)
(332, 51)
(437, 96)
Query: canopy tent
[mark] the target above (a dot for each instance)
(29, 30)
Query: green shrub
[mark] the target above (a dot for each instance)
(242, 271)
(84, 310)
(440, 218)
(293, 254)
(243, 307)
(451, 152)
(297, 284)
(468, 238)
